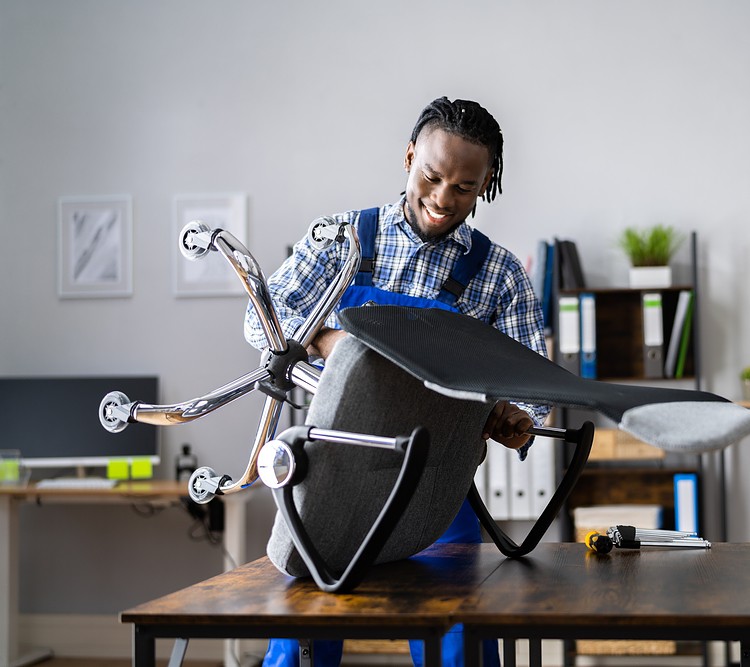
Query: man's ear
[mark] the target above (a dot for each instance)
(409, 157)
(486, 181)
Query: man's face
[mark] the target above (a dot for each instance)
(446, 175)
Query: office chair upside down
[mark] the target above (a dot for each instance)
(450, 364)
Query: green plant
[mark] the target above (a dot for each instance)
(745, 373)
(653, 246)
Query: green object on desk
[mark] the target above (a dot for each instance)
(10, 470)
(141, 469)
(118, 469)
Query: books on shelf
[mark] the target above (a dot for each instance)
(679, 370)
(653, 335)
(680, 332)
(588, 335)
(514, 489)
(569, 333)
(686, 502)
(571, 271)
(541, 280)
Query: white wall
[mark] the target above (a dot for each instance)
(614, 114)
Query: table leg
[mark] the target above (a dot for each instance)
(535, 653)
(433, 651)
(472, 647)
(8, 581)
(509, 652)
(178, 652)
(745, 653)
(235, 546)
(144, 648)
(306, 655)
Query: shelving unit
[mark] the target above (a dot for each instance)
(620, 358)
(640, 474)
(619, 327)
(633, 473)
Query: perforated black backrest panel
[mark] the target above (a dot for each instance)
(462, 354)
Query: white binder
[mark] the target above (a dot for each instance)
(519, 473)
(569, 334)
(686, 502)
(653, 335)
(588, 335)
(541, 458)
(497, 481)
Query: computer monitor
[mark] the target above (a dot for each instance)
(54, 421)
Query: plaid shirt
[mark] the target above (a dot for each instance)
(500, 294)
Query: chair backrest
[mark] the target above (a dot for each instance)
(346, 485)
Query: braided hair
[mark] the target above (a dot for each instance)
(471, 122)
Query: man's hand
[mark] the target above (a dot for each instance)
(507, 424)
(325, 341)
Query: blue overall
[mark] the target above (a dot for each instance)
(465, 527)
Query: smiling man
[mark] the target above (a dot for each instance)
(421, 252)
(446, 175)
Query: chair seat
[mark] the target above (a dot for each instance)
(346, 486)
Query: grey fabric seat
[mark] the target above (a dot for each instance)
(346, 486)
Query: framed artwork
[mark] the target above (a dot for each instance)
(210, 275)
(95, 247)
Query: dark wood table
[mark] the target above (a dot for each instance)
(559, 591)
(564, 591)
(410, 599)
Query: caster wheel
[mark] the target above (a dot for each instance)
(197, 487)
(317, 240)
(112, 400)
(188, 248)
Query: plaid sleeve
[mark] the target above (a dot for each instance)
(295, 288)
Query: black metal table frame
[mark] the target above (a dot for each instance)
(475, 633)
(146, 634)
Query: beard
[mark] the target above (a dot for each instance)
(411, 218)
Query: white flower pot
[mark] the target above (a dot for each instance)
(650, 276)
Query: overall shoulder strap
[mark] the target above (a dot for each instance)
(465, 269)
(367, 228)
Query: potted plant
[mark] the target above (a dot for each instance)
(745, 379)
(650, 251)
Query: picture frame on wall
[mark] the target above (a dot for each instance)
(95, 246)
(210, 275)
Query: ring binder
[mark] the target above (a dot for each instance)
(653, 335)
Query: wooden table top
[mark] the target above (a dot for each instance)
(567, 585)
(429, 587)
(560, 585)
(137, 488)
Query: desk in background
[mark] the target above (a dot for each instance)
(124, 493)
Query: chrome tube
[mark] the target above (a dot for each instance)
(548, 431)
(315, 320)
(269, 420)
(347, 438)
(254, 282)
(168, 415)
(305, 376)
